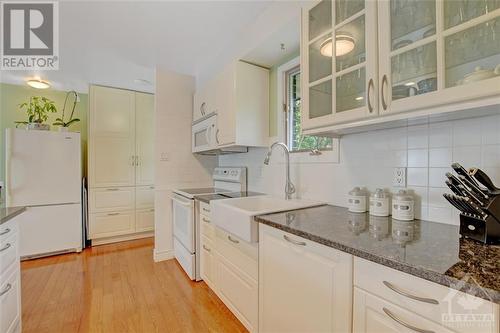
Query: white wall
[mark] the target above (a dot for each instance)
(175, 165)
(368, 159)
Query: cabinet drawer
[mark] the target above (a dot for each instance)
(111, 224)
(10, 302)
(9, 252)
(238, 292)
(145, 220)
(238, 252)
(207, 261)
(111, 199)
(373, 314)
(8, 229)
(391, 285)
(144, 197)
(205, 209)
(207, 227)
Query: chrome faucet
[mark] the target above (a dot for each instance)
(289, 187)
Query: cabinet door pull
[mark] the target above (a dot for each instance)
(205, 220)
(368, 93)
(206, 210)
(112, 189)
(382, 91)
(6, 289)
(401, 322)
(137, 160)
(207, 249)
(5, 247)
(113, 214)
(407, 294)
(288, 239)
(6, 231)
(132, 160)
(217, 136)
(235, 241)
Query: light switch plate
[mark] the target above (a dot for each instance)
(399, 178)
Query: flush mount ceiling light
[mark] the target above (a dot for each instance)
(343, 45)
(38, 83)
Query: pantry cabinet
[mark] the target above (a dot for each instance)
(120, 165)
(303, 286)
(421, 55)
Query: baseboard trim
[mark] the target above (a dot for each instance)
(162, 255)
(121, 238)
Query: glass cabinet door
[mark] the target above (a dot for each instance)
(423, 53)
(341, 62)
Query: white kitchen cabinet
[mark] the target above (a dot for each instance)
(111, 137)
(144, 106)
(418, 57)
(144, 220)
(236, 277)
(372, 314)
(239, 94)
(10, 277)
(103, 225)
(303, 286)
(121, 149)
(343, 87)
(207, 264)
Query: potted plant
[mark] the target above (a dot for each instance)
(60, 121)
(38, 109)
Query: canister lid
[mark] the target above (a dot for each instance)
(380, 194)
(403, 195)
(357, 192)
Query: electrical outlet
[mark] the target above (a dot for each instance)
(399, 179)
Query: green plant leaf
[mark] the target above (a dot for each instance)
(72, 121)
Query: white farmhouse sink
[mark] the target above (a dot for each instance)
(236, 215)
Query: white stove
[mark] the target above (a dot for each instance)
(185, 221)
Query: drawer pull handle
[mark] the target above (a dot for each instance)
(401, 322)
(112, 189)
(113, 214)
(6, 231)
(6, 290)
(288, 239)
(205, 220)
(206, 210)
(207, 249)
(406, 294)
(5, 247)
(152, 210)
(235, 241)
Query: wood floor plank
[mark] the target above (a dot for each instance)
(118, 288)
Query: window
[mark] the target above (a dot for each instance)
(295, 140)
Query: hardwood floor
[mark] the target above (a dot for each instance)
(118, 288)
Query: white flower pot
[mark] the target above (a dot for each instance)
(38, 127)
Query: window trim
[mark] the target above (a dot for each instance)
(283, 115)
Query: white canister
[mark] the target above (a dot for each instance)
(357, 200)
(403, 206)
(379, 203)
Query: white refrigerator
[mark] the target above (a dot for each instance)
(44, 172)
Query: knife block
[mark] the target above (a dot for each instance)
(486, 231)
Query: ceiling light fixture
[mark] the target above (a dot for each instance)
(38, 83)
(343, 45)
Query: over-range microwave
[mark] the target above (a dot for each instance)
(204, 134)
(204, 138)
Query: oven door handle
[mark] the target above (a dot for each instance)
(183, 203)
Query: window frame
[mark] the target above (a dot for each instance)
(289, 69)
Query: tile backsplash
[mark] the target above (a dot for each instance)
(368, 160)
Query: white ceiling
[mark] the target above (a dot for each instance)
(114, 42)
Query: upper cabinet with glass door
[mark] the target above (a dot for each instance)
(339, 62)
(435, 52)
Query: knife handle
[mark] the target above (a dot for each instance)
(483, 178)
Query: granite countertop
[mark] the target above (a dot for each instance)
(7, 213)
(429, 250)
